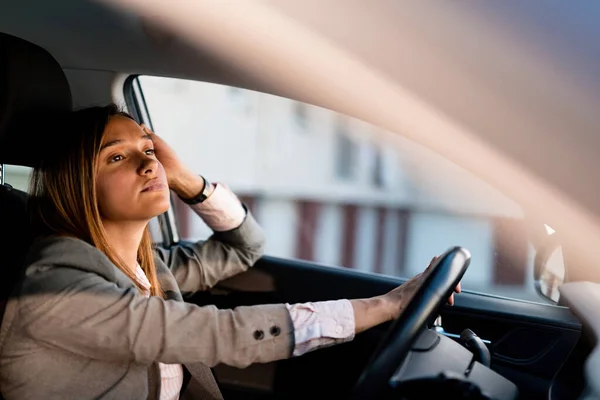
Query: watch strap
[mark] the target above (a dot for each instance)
(200, 197)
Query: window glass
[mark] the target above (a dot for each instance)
(301, 117)
(17, 176)
(346, 193)
(346, 152)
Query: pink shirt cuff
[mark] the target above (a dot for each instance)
(222, 210)
(321, 324)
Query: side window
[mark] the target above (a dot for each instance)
(343, 192)
(17, 176)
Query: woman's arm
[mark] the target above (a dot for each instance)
(237, 242)
(322, 324)
(83, 313)
(68, 308)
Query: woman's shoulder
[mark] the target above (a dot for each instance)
(67, 252)
(54, 249)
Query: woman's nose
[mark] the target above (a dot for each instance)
(148, 165)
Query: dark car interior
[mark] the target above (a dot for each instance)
(482, 347)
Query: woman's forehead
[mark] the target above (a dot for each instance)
(122, 128)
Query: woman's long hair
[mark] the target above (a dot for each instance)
(63, 191)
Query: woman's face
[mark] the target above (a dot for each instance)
(131, 185)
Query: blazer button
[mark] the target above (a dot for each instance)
(259, 335)
(275, 331)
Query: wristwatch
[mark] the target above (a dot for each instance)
(200, 197)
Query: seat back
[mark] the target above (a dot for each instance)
(34, 94)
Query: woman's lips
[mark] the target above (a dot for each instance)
(154, 186)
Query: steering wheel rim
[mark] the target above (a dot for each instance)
(426, 302)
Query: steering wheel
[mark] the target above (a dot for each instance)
(422, 309)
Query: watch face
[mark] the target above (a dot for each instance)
(205, 187)
(204, 194)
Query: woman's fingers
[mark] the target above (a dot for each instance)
(147, 130)
(433, 260)
(457, 289)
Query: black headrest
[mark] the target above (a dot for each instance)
(34, 95)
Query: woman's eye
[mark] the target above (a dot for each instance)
(116, 158)
(150, 152)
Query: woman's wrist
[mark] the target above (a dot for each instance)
(188, 185)
(372, 311)
(389, 307)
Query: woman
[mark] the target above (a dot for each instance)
(99, 313)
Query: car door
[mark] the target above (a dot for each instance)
(352, 211)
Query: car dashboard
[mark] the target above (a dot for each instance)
(438, 366)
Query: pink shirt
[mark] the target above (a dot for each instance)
(316, 325)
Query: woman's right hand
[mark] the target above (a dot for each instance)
(376, 310)
(399, 297)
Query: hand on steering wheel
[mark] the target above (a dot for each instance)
(400, 296)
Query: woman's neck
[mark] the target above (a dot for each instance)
(125, 239)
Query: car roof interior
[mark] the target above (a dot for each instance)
(109, 44)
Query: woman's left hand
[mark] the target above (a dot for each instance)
(166, 155)
(180, 179)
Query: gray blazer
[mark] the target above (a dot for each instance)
(78, 328)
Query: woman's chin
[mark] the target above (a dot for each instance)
(160, 209)
(156, 208)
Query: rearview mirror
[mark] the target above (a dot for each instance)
(549, 269)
